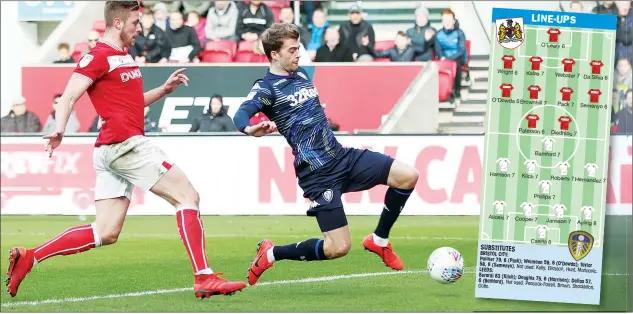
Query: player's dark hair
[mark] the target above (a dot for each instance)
(273, 38)
(119, 9)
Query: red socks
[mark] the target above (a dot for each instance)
(192, 235)
(72, 241)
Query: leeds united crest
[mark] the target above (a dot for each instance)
(580, 244)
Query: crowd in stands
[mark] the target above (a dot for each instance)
(228, 31)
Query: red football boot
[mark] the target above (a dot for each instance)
(20, 264)
(386, 253)
(261, 263)
(207, 285)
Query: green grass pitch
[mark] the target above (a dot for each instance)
(150, 260)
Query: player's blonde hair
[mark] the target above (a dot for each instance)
(273, 38)
(118, 9)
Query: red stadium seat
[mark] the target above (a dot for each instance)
(79, 49)
(450, 66)
(244, 56)
(614, 128)
(445, 79)
(276, 12)
(465, 66)
(384, 45)
(382, 60)
(259, 58)
(217, 56)
(99, 26)
(246, 45)
(221, 45)
(277, 4)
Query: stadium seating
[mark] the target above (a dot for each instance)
(384, 45)
(217, 56)
(99, 26)
(79, 49)
(382, 60)
(465, 66)
(222, 45)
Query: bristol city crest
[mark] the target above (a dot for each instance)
(510, 32)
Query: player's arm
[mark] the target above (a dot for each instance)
(175, 79)
(259, 97)
(76, 87)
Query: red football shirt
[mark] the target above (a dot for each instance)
(506, 89)
(116, 91)
(553, 34)
(568, 64)
(595, 94)
(532, 118)
(566, 91)
(536, 63)
(534, 89)
(507, 61)
(595, 66)
(564, 122)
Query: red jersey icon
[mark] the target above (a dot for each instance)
(594, 95)
(553, 34)
(568, 64)
(536, 63)
(507, 61)
(506, 89)
(595, 66)
(534, 89)
(566, 91)
(532, 119)
(564, 122)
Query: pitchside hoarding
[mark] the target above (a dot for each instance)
(240, 175)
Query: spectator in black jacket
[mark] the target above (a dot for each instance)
(607, 7)
(253, 20)
(624, 35)
(215, 119)
(624, 118)
(422, 35)
(333, 50)
(402, 52)
(353, 32)
(63, 50)
(183, 39)
(152, 45)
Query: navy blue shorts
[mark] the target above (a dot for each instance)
(357, 170)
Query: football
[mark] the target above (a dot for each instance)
(445, 265)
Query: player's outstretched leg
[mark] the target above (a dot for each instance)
(175, 188)
(105, 230)
(402, 180)
(336, 244)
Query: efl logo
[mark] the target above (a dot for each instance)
(134, 74)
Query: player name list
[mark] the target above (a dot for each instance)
(500, 265)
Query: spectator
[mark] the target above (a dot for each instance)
(607, 7)
(624, 118)
(287, 16)
(450, 43)
(333, 50)
(194, 21)
(402, 52)
(352, 33)
(170, 6)
(313, 36)
(616, 97)
(63, 52)
(253, 20)
(185, 45)
(150, 126)
(20, 120)
(422, 35)
(624, 36)
(222, 21)
(576, 6)
(215, 119)
(73, 122)
(623, 75)
(93, 38)
(202, 7)
(151, 44)
(161, 16)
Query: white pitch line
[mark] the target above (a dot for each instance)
(263, 284)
